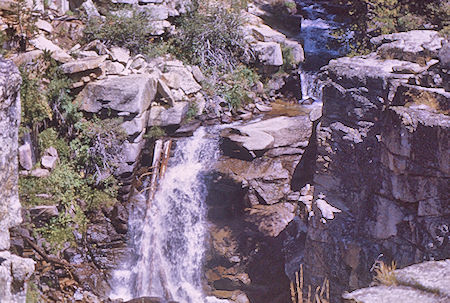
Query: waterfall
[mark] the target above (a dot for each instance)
(168, 238)
(320, 45)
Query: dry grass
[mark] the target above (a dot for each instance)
(384, 273)
(321, 294)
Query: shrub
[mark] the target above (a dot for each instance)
(50, 137)
(211, 36)
(129, 29)
(385, 274)
(98, 147)
(155, 132)
(236, 85)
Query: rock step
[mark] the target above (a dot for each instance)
(426, 282)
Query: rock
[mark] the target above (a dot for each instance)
(262, 107)
(161, 116)
(90, 9)
(120, 54)
(49, 162)
(444, 55)
(61, 6)
(155, 12)
(400, 294)
(264, 33)
(112, 68)
(132, 93)
(40, 173)
(423, 282)
(181, 78)
(271, 220)
(57, 53)
(296, 51)
(25, 156)
(415, 46)
(146, 300)
(268, 53)
(43, 213)
(165, 92)
(44, 25)
(188, 128)
(82, 65)
(132, 151)
(14, 270)
(10, 81)
(197, 73)
(270, 133)
(136, 125)
(27, 58)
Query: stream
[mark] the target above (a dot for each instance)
(168, 239)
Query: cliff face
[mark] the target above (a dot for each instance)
(382, 160)
(13, 269)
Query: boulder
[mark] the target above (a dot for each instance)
(82, 65)
(271, 220)
(90, 9)
(181, 78)
(265, 33)
(155, 12)
(44, 25)
(27, 58)
(296, 51)
(161, 116)
(415, 46)
(120, 54)
(57, 53)
(425, 282)
(112, 68)
(40, 173)
(268, 53)
(270, 133)
(132, 94)
(25, 156)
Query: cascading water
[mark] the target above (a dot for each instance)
(319, 44)
(168, 238)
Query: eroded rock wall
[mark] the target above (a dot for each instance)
(382, 160)
(13, 269)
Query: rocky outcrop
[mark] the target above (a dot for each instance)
(14, 270)
(419, 283)
(383, 161)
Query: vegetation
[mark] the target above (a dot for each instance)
(321, 294)
(236, 85)
(211, 36)
(155, 132)
(121, 28)
(371, 18)
(385, 274)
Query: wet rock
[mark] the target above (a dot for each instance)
(400, 294)
(188, 128)
(146, 300)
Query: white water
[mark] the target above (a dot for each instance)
(168, 238)
(319, 45)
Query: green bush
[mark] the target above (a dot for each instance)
(50, 137)
(35, 107)
(211, 37)
(236, 85)
(155, 132)
(130, 31)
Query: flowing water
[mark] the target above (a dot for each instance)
(319, 43)
(168, 238)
